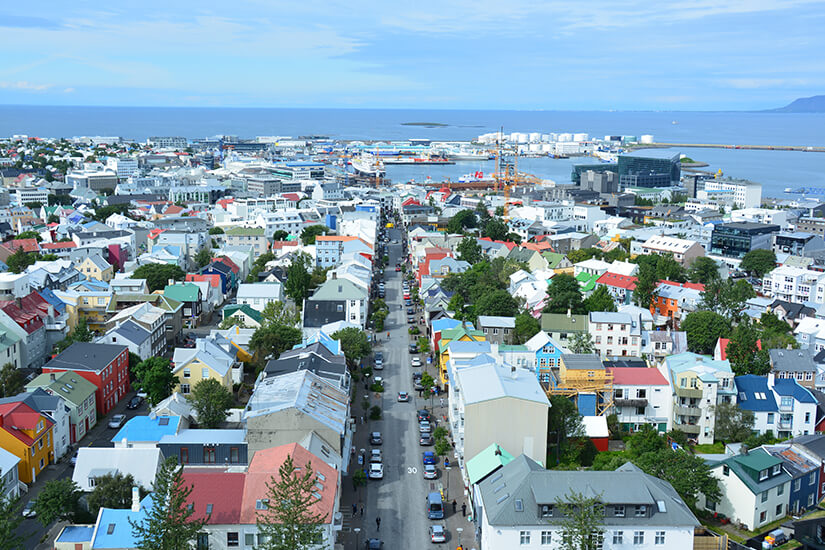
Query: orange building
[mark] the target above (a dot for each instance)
(28, 435)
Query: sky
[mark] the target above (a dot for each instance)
(427, 54)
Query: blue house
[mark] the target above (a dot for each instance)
(205, 447)
(548, 355)
(805, 477)
(754, 394)
(223, 271)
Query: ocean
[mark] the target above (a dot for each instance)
(775, 170)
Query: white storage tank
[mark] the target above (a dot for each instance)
(522, 137)
(565, 137)
(581, 137)
(535, 137)
(547, 147)
(647, 138)
(546, 138)
(535, 147)
(513, 137)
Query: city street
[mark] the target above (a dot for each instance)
(399, 499)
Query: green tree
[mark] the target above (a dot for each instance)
(279, 313)
(583, 254)
(646, 284)
(600, 300)
(727, 297)
(744, 352)
(309, 234)
(703, 329)
(354, 344)
(20, 260)
(733, 424)
(495, 229)
(469, 250)
(668, 269)
(30, 235)
(113, 490)
(272, 340)
(212, 402)
(688, 474)
(280, 235)
(168, 524)
(563, 423)
(10, 519)
(758, 262)
(291, 520)
(526, 326)
(464, 219)
(564, 293)
(216, 231)
(581, 342)
(645, 441)
(157, 275)
(57, 500)
(154, 376)
(81, 332)
(583, 525)
(12, 380)
(497, 303)
(428, 383)
(105, 211)
(298, 279)
(203, 257)
(513, 237)
(703, 270)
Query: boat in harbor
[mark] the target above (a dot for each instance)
(466, 153)
(369, 165)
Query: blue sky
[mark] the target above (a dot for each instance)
(479, 54)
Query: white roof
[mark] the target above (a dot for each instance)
(593, 263)
(259, 290)
(7, 461)
(142, 463)
(670, 244)
(595, 426)
(495, 381)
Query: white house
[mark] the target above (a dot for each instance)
(642, 396)
(616, 334)
(92, 462)
(258, 295)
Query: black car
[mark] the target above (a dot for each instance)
(410, 319)
(413, 348)
(375, 438)
(423, 414)
(134, 402)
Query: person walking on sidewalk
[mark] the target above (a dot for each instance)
(354, 509)
(362, 510)
(378, 523)
(463, 509)
(454, 505)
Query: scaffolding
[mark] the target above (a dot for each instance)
(580, 374)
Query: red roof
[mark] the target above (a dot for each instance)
(28, 320)
(619, 281)
(638, 376)
(291, 196)
(694, 286)
(229, 263)
(213, 280)
(18, 416)
(174, 209)
(277, 245)
(223, 490)
(410, 201)
(722, 343)
(28, 245)
(509, 244)
(155, 232)
(223, 203)
(58, 246)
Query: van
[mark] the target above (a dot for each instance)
(435, 506)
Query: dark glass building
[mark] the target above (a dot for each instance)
(649, 171)
(734, 240)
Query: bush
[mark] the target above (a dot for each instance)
(377, 387)
(414, 330)
(441, 447)
(375, 413)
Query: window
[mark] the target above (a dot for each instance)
(725, 470)
(209, 455)
(797, 484)
(184, 389)
(232, 539)
(547, 510)
(234, 455)
(249, 539)
(641, 394)
(638, 537)
(187, 373)
(710, 505)
(762, 517)
(660, 537)
(619, 393)
(779, 510)
(763, 475)
(770, 418)
(618, 510)
(204, 373)
(184, 455)
(812, 478)
(640, 511)
(524, 536)
(617, 537)
(546, 537)
(780, 489)
(764, 496)
(807, 417)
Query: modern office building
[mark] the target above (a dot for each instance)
(734, 240)
(639, 171)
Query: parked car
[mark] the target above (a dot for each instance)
(411, 319)
(428, 457)
(426, 440)
(403, 397)
(134, 402)
(438, 533)
(376, 471)
(117, 421)
(375, 438)
(423, 415)
(430, 471)
(375, 455)
(28, 510)
(398, 268)
(413, 348)
(424, 427)
(73, 460)
(416, 362)
(410, 310)
(374, 544)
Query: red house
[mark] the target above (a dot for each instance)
(104, 365)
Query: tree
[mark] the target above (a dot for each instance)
(20, 260)
(583, 524)
(758, 262)
(212, 402)
(273, 340)
(646, 440)
(10, 519)
(732, 423)
(727, 297)
(298, 279)
(30, 235)
(462, 220)
(216, 231)
(583, 254)
(427, 383)
(469, 250)
(154, 376)
(513, 237)
(81, 332)
(279, 313)
(157, 275)
(290, 520)
(563, 422)
(495, 229)
(600, 300)
(497, 303)
(57, 500)
(354, 344)
(113, 490)
(564, 293)
(581, 342)
(526, 326)
(203, 257)
(309, 234)
(168, 524)
(12, 380)
(688, 474)
(745, 353)
(703, 270)
(646, 284)
(280, 235)
(703, 329)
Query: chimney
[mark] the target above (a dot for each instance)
(744, 449)
(51, 376)
(135, 499)
(18, 301)
(513, 373)
(569, 313)
(498, 451)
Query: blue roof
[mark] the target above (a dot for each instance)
(121, 530)
(748, 387)
(458, 346)
(91, 285)
(49, 295)
(446, 324)
(76, 533)
(146, 428)
(790, 387)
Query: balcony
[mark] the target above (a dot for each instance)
(786, 408)
(692, 393)
(688, 428)
(619, 402)
(688, 411)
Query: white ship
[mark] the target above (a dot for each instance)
(369, 165)
(467, 154)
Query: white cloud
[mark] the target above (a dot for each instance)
(23, 85)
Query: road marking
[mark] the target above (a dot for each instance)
(412, 470)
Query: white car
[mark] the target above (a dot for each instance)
(375, 456)
(416, 362)
(403, 397)
(438, 533)
(376, 471)
(430, 471)
(117, 421)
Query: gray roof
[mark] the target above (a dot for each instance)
(86, 356)
(814, 443)
(494, 321)
(318, 313)
(793, 360)
(314, 357)
(526, 481)
(39, 400)
(132, 332)
(216, 436)
(610, 317)
(582, 361)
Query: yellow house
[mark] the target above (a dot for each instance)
(95, 267)
(461, 333)
(87, 299)
(28, 435)
(206, 360)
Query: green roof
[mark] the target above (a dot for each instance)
(456, 333)
(182, 292)
(518, 347)
(244, 231)
(553, 259)
(757, 460)
(487, 462)
(747, 468)
(246, 309)
(70, 386)
(587, 282)
(560, 322)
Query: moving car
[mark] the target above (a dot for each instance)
(428, 457)
(426, 440)
(376, 471)
(438, 533)
(28, 510)
(403, 397)
(375, 438)
(430, 471)
(374, 544)
(134, 402)
(117, 421)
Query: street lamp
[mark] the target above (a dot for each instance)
(357, 535)
(459, 530)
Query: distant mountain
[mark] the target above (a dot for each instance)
(815, 104)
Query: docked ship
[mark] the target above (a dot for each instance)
(467, 154)
(369, 165)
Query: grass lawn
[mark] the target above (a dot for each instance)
(716, 448)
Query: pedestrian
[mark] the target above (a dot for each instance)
(463, 509)
(354, 509)
(378, 523)
(446, 462)
(454, 505)
(442, 401)
(363, 421)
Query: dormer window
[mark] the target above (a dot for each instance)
(763, 475)
(547, 510)
(618, 510)
(775, 470)
(640, 511)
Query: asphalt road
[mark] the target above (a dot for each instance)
(399, 499)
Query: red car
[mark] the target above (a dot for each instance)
(398, 268)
